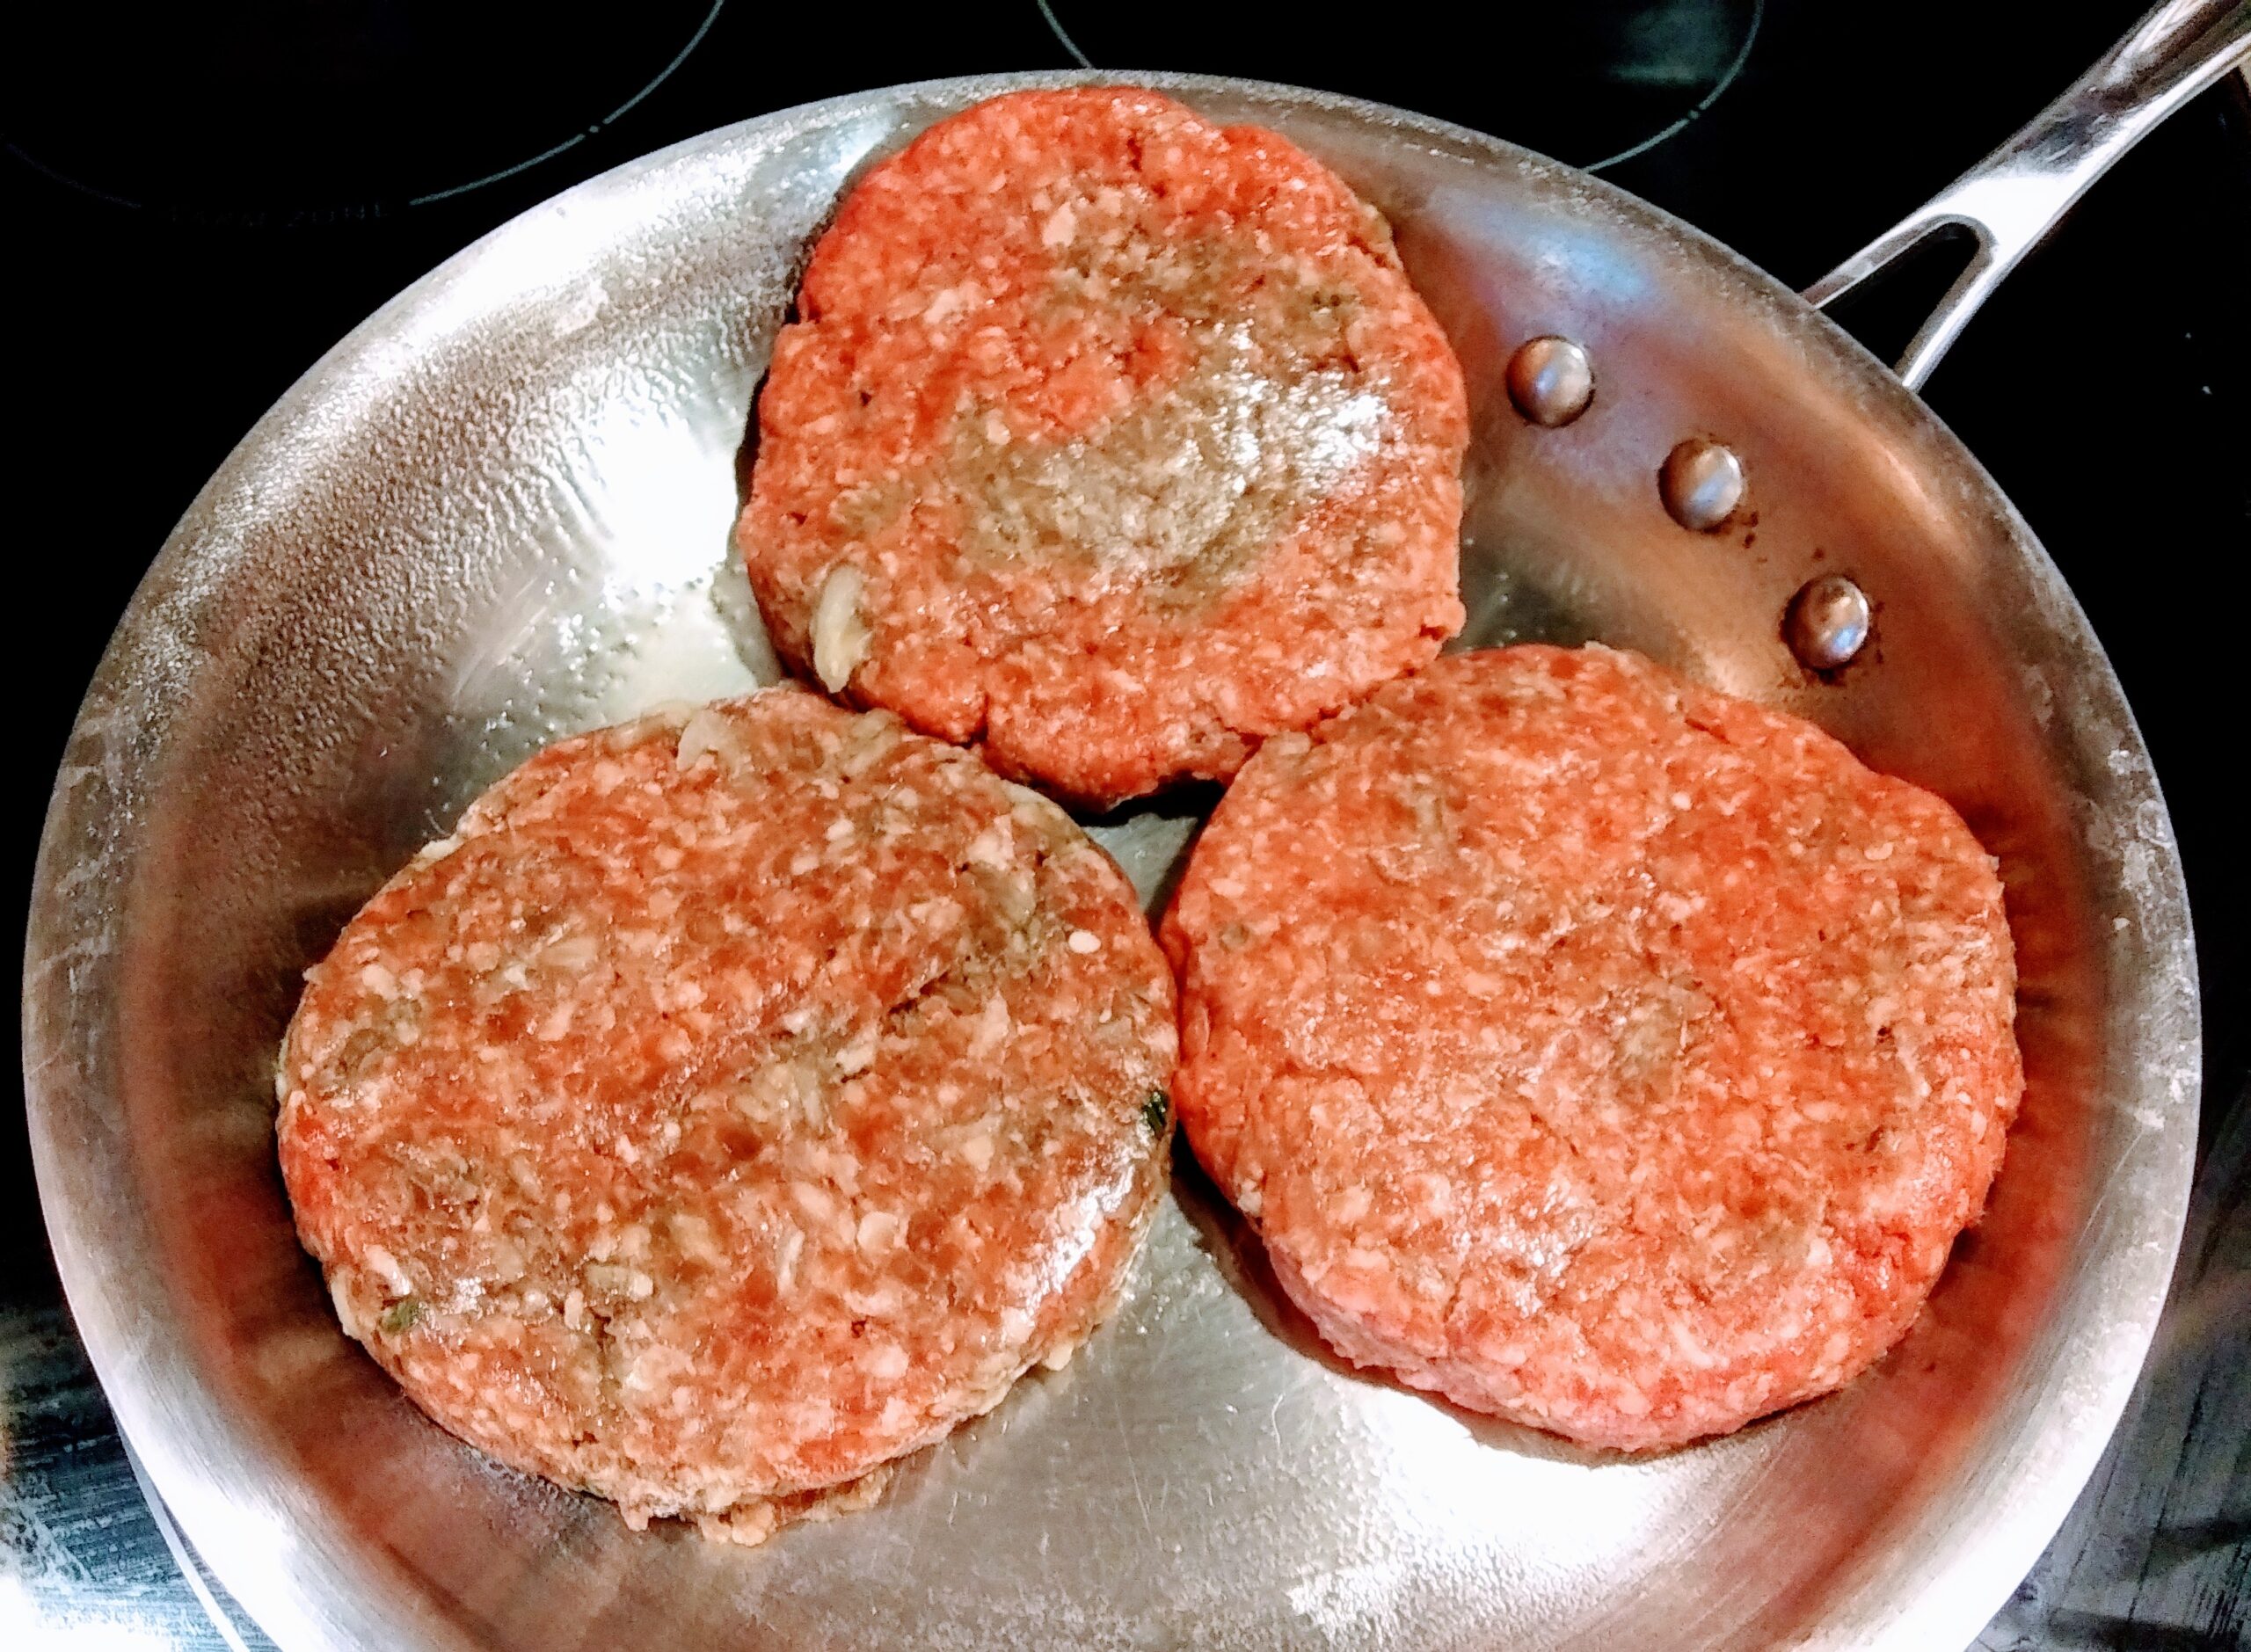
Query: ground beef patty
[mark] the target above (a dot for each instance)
(737, 1101)
(1110, 437)
(1597, 1050)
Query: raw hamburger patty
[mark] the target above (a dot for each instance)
(1110, 438)
(1599, 1050)
(735, 1102)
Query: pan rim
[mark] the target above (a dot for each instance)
(1955, 1595)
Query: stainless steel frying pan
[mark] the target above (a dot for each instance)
(499, 510)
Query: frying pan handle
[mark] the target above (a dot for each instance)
(2014, 196)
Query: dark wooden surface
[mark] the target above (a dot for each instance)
(2156, 1556)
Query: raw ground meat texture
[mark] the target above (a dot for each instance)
(738, 1099)
(1599, 1050)
(1110, 439)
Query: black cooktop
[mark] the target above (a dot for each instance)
(200, 201)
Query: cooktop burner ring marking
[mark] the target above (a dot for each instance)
(663, 75)
(1719, 87)
(374, 204)
(1726, 79)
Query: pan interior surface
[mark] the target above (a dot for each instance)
(498, 513)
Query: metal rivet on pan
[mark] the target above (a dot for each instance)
(1551, 381)
(1701, 482)
(1826, 622)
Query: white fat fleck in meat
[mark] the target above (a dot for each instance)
(696, 1237)
(788, 1249)
(887, 1361)
(437, 849)
(859, 1055)
(884, 1300)
(880, 1232)
(841, 637)
(705, 732)
(572, 952)
(949, 301)
(977, 1150)
(385, 1267)
(347, 1312)
(993, 1028)
(813, 1201)
(990, 848)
